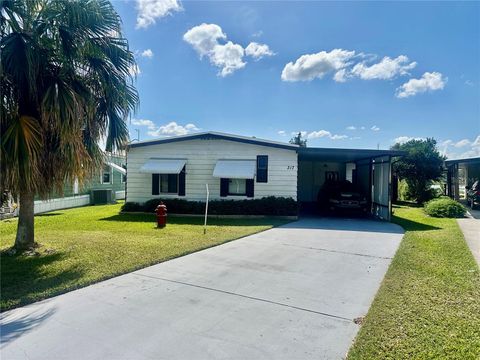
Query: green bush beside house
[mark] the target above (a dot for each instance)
(444, 207)
(272, 205)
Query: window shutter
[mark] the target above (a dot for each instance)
(155, 184)
(249, 184)
(262, 168)
(181, 182)
(223, 187)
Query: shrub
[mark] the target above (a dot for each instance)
(132, 206)
(444, 207)
(403, 193)
(271, 205)
(176, 206)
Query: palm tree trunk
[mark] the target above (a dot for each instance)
(25, 230)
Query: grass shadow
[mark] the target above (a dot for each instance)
(28, 278)
(50, 214)
(196, 220)
(407, 203)
(140, 217)
(410, 225)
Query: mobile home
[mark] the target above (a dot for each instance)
(239, 167)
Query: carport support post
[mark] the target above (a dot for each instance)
(206, 212)
(390, 189)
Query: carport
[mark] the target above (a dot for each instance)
(369, 170)
(460, 174)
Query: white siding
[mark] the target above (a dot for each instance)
(202, 156)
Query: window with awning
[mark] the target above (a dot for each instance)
(235, 169)
(168, 175)
(236, 177)
(163, 166)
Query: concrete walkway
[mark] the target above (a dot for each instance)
(287, 293)
(471, 231)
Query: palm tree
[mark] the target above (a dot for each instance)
(66, 84)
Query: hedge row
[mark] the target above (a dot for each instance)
(266, 206)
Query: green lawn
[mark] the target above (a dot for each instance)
(85, 245)
(428, 306)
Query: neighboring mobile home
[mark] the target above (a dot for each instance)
(461, 173)
(111, 178)
(239, 167)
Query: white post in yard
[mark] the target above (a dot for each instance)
(206, 212)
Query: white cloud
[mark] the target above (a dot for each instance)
(340, 62)
(312, 66)
(144, 122)
(338, 137)
(320, 134)
(476, 142)
(468, 148)
(362, 127)
(134, 70)
(205, 39)
(469, 82)
(281, 132)
(428, 82)
(386, 69)
(148, 11)
(173, 129)
(258, 51)
(375, 128)
(345, 65)
(340, 76)
(351, 127)
(462, 143)
(228, 57)
(148, 53)
(404, 139)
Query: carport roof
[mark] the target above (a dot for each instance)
(474, 160)
(343, 155)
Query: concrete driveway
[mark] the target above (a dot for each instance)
(291, 292)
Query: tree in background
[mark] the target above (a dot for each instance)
(298, 140)
(420, 167)
(65, 85)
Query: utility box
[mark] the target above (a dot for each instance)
(103, 196)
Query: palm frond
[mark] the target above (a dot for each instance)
(64, 73)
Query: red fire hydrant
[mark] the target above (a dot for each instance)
(161, 212)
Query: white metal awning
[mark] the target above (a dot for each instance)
(117, 167)
(163, 166)
(235, 169)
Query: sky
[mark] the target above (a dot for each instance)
(345, 74)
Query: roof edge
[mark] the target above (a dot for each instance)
(217, 136)
(463, 160)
